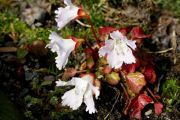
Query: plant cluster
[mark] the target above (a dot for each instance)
(12, 27)
(115, 58)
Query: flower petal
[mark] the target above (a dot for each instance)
(71, 99)
(96, 91)
(68, 2)
(63, 48)
(88, 100)
(129, 57)
(80, 85)
(114, 60)
(131, 44)
(63, 83)
(118, 50)
(107, 48)
(117, 35)
(61, 60)
(65, 15)
(83, 92)
(55, 42)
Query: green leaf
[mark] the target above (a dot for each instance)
(46, 82)
(21, 53)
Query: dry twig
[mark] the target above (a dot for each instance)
(118, 94)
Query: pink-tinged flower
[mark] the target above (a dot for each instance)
(82, 92)
(65, 15)
(63, 48)
(118, 50)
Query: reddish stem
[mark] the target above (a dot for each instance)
(127, 103)
(93, 31)
(89, 46)
(150, 92)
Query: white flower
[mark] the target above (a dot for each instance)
(63, 48)
(118, 50)
(65, 15)
(83, 92)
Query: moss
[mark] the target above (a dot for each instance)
(15, 28)
(170, 5)
(8, 110)
(171, 91)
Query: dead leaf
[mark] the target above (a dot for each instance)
(8, 49)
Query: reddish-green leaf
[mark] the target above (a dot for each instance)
(136, 82)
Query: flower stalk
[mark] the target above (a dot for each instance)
(93, 31)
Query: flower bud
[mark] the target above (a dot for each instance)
(107, 69)
(90, 62)
(69, 72)
(112, 78)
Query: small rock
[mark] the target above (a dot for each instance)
(30, 75)
(50, 77)
(29, 15)
(38, 48)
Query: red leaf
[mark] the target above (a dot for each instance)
(88, 51)
(136, 113)
(144, 99)
(125, 30)
(158, 108)
(137, 33)
(137, 104)
(131, 68)
(91, 53)
(78, 41)
(135, 82)
(104, 31)
(150, 74)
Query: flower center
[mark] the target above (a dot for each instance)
(120, 47)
